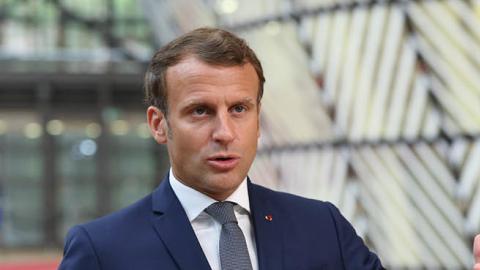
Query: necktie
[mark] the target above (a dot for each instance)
(233, 247)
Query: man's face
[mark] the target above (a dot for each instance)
(212, 126)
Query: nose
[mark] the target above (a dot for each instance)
(224, 131)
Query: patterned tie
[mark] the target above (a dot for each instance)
(233, 247)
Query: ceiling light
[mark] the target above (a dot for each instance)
(226, 6)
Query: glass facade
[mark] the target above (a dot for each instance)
(372, 105)
(91, 170)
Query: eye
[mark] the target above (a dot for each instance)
(239, 108)
(200, 111)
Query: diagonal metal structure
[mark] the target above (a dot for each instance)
(372, 105)
(398, 152)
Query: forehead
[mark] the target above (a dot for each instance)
(192, 72)
(191, 65)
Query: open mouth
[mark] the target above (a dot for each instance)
(223, 158)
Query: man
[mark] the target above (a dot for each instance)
(204, 90)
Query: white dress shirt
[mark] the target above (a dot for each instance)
(206, 228)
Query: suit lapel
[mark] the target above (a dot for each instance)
(268, 227)
(175, 230)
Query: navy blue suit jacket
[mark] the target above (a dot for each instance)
(155, 234)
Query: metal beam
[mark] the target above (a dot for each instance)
(50, 183)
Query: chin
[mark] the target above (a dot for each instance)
(224, 184)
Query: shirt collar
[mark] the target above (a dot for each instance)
(194, 202)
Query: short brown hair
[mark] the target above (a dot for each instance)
(210, 45)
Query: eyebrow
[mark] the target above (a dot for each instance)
(199, 102)
(189, 105)
(248, 100)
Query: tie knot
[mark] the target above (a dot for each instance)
(222, 212)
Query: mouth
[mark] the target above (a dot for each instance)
(223, 162)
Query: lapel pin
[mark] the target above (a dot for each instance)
(268, 218)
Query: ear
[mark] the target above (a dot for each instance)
(157, 124)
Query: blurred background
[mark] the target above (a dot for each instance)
(372, 105)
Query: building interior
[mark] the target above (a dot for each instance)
(372, 105)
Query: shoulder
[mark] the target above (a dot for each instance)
(309, 220)
(109, 229)
(293, 203)
(287, 198)
(87, 243)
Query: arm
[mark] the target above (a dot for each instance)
(476, 252)
(79, 253)
(355, 254)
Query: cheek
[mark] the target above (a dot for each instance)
(191, 141)
(253, 131)
(250, 142)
